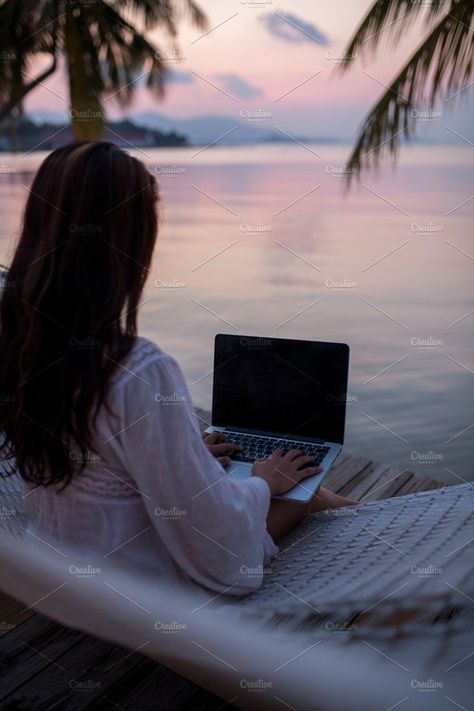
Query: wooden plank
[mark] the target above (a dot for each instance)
(426, 484)
(363, 481)
(378, 489)
(145, 684)
(66, 669)
(393, 485)
(344, 471)
(31, 648)
(407, 486)
(12, 613)
(418, 483)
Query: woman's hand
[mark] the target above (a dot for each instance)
(282, 471)
(220, 447)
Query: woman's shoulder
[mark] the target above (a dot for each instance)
(145, 355)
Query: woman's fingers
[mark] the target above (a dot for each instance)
(218, 444)
(224, 461)
(309, 471)
(214, 437)
(303, 460)
(293, 454)
(224, 448)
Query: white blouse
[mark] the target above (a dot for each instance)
(152, 494)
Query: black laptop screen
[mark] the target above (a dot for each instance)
(287, 387)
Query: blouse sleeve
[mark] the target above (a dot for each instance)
(213, 527)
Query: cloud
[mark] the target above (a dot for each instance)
(237, 86)
(291, 28)
(177, 76)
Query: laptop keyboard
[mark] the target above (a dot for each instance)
(255, 447)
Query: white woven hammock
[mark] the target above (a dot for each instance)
(384, 589)
(406, 547)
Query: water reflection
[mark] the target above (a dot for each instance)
(248, 244)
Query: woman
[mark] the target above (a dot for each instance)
(99, 420)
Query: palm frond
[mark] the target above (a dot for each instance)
(440, 66)
(128, 55)
(164, 13)
(386, 21)
(197, 16)
(19, 41)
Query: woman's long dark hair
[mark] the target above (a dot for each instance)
(69, 305)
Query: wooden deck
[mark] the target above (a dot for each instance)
(46, 666)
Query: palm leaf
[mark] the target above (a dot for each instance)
(386, 21)
(151, 13)
(440, 66)
(19, 41)
(128, 55)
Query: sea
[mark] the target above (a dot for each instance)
(278, 240)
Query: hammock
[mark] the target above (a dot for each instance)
(368, 607)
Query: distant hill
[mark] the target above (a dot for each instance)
(151, 128)
(30, 135)
(253, 127)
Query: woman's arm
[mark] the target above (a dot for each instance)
(216, 528)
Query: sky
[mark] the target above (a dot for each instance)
(278, 59)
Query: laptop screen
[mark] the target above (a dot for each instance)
(287, 387)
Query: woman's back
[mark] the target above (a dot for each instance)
(151, 494)
(100, 422)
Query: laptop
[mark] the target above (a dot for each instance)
(277, 392)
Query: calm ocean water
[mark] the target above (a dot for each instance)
(262, 240)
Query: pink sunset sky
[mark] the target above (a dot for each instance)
(255, 58)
